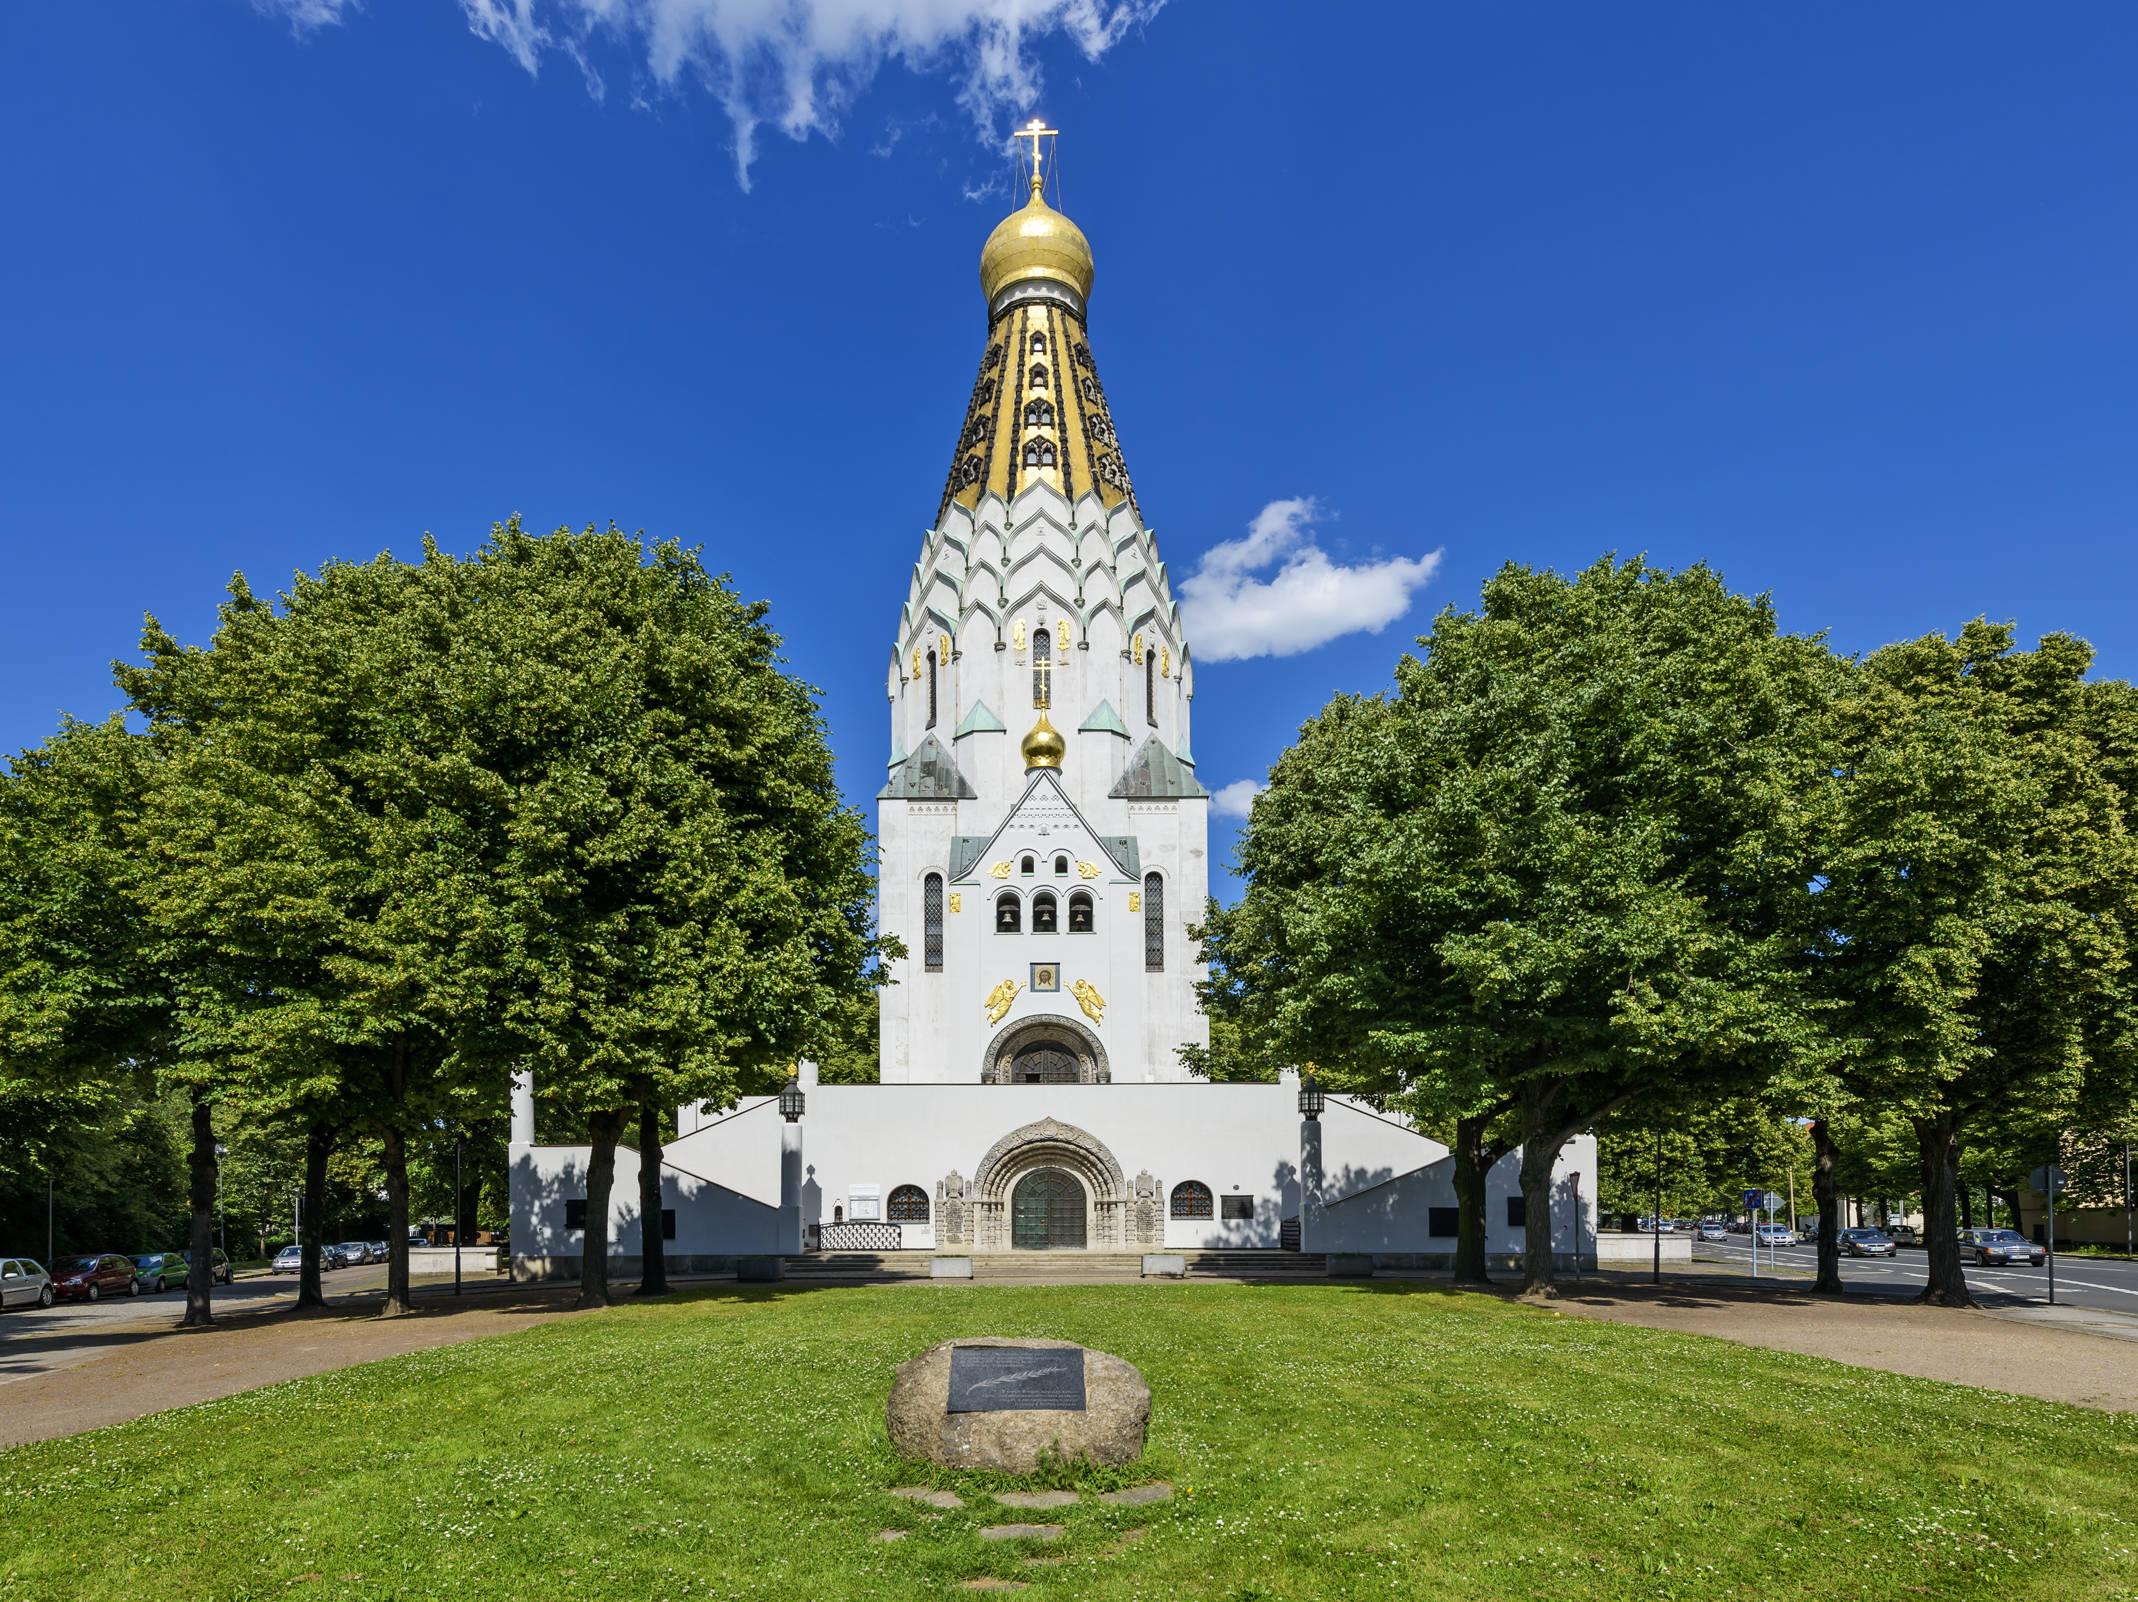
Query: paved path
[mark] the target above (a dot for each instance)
(2053, 1353)
(38, 1340)
(148, 1369)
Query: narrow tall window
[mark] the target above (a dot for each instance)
(1042, 668)
(1154, 923)
(1009, 913)
(1039, 378)
(1150, 688)
(1039, 343)
(932, 920)
(1043, 913)
(1080, 912)
(931, 689)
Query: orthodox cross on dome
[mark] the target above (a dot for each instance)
(1035, 130)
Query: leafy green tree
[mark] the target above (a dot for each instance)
(1557, 870)
(1974, 914)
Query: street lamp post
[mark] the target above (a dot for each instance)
(222, 1234)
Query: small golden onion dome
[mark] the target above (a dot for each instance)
(1044, 747)
(1037, 242)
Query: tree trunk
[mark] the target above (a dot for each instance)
(2011, 1200)
(1471, 1167)
(1822, 1188)
(200, 1279)
(1544, 1135)
(318, 1145)
(652, 1241)
(1939, 1142)
(1967, 1209)
(603, 1129)
(394, 1144)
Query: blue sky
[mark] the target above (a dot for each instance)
(1835, 298)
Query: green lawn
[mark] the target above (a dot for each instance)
(1379, 1440)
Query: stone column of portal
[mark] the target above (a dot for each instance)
(789, 1243)
(1310, 1180)
(523, 1108)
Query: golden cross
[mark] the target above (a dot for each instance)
(1035, 130)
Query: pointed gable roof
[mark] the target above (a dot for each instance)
(929, 774)
(980, 720)
(1045, 802)
(1155, 773)
(1103, 720)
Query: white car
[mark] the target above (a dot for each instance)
(1777, 1235)
(1713, 1231)
(24, 1284)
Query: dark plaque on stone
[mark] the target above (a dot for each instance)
(1007, 1379)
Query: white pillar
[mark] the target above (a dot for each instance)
(523, 1128)
(790, 1188)
(1310, 1185)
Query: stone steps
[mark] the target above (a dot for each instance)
(1066, 1267)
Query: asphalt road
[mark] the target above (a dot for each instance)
(2109, 1284)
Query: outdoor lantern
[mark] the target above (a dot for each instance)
(791, 1101)
(1310, 1098)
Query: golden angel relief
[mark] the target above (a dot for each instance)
(1088, 997)
(999, 999)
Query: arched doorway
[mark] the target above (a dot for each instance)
(1045, 1062)
(1047, 1212)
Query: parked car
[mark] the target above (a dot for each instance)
(24, 1284)
(1864, 1243)
(357, 1252)
(381, 1250)
(1903, 1235)
(86, 1279)
(1993, 1246)
(159, 1271)
(1777, 1235)
(219, 1269)
(1737, 1226)
(1713, 1231)
(289, 1260)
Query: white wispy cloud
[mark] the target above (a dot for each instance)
(1309, 600)
(1236, 799)
(305, 15)
(793, 65)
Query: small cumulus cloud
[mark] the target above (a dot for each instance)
(1237, 799)
(791, 65)
(1309, 600)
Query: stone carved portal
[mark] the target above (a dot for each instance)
(1069, 1170)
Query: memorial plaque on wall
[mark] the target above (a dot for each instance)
(1003, 1379)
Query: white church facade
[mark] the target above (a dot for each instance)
(1044, 847)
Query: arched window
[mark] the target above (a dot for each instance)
(1150, 688)
(1043, 913)
(931, 689)
(1039, 343)
(1191, 1199)
(1080, 912)
(1061, 864)
(1154, 923)
(1039, 414)
(1038, 452)
(1039, 377)
(932, 921)
(1009, 913)
(908, 1204)
(1025, 867)
(1042, 668)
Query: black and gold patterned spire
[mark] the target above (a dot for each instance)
(1037, 413)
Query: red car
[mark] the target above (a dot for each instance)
(84, 1279)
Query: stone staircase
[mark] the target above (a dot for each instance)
(1063, 1267)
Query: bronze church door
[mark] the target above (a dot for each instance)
(1047, 1212)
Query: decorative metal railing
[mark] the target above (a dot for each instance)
(862, 1237)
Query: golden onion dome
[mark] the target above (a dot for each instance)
(1037, 242)
(1044, 747)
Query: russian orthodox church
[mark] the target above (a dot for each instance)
(1043, 848)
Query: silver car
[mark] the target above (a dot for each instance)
(357, 1252)
(24, 1284)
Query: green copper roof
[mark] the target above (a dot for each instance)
(1103, 720)
(980, 721)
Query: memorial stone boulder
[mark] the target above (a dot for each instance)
(1004, 1404)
